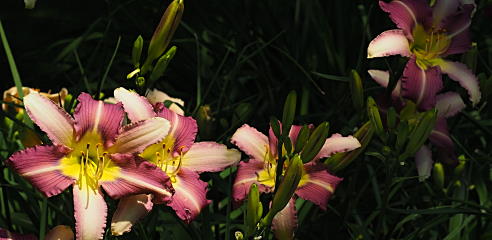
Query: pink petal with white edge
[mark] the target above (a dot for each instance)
(209, 157)
(183, 129)
(7, 235)
(408, 13)
(97, 116)
(449, 104)
(156, 96)
(247, 175)
(337, 143)
(420, 85)
(40, 165)
(130, 210)
(391, 42)
(90, 212)
(250, 141)
(60, 232)
(423, 161)
(317, 185)
(51, 118)
(137, 136)
(382, 78)
(138, 176)
(190, 195)
(284, 223)
(464, 76)
(440, 135)
(137, 107)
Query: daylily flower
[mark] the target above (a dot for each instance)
(12, 96)
(154, 96)
(178, 156)
(316, 185)
(426, 35)
(91, 151)
(447, 104)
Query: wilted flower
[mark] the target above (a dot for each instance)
(12, 96)
(316, 184)
(178, 156)
(91, 151)
(426, 35)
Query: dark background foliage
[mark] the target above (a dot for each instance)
(242, 58)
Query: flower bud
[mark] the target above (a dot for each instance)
(254, 210)
(137, 51)
(438, 175)
(60, 232)
(357, 90)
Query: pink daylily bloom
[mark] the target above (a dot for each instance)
(178, 156)
(316, 185)
(447, 104)
(426, 35)
(91, 151)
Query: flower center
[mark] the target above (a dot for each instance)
(89, 162)
(428, 45)
(165, 156)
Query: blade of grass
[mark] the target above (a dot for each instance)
(105, 75)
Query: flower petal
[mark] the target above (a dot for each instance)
(156, 96)
(130, 209)
(382, 78)
(459, 21)
(183, 129)
(440, 135)
(391, 42)
(337, 143)
(40, 165)
(443, 9)
(421, 86)
(293, 133)
(137, 136)
(190, 195)
(7, 235)
(51, 118)
(317, 185)
(209, 157)
(60, 232)
(90, 212)
(449, 104)
(137, 107)
(250, 141)
(97, 116)
(406, 14)
(247, 174)
(464, 76)
(284, 223)
(137, 176)
(423, 160)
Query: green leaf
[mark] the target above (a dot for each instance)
(357, 90)
(375, 118)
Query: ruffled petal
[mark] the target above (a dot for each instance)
(156, 96)
(382, 78)
(40, 165)
(250, 141)
(459, 21)
(51, 118)
(284, 223)
(137, 136)
(406, 14)
(137, 107)
(60, 232)
(247, 174)
(423, 161)
(90, 212)
(137, 176)
(449, 104)
(440, 135)
(97, 116)
(421, 85)
(317, 185)
(337, 143)
(190, 195)
(130, 209)
(209, 157)
(183, 129)
(391, 42)
(464, 76)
